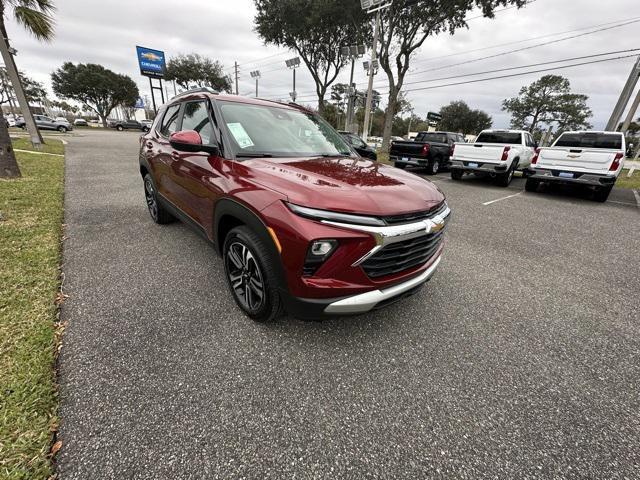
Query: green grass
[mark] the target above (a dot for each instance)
(50, 145)
(384, 158)
(628, 182)
(30, 235)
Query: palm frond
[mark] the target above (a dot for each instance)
(37, 22)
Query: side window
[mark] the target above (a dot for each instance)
(196, 117)
(170, 120)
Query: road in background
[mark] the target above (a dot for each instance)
(518, 360)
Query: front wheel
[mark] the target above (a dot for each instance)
(120, 128)
(456, 173)
(250, 275)
(62, 129)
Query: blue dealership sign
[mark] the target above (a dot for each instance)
(151, 62)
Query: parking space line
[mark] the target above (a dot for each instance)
(637, 195)
(503, 198)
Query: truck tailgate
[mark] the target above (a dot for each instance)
(409, 149)
(576, 159)
(485, 153)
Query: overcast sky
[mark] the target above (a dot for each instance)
(107, 31)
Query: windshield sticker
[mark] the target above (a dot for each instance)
(240, 134)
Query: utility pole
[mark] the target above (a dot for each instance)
(12, 72)
(353, 52)
(236, 73)
(374, 48)
(612, 125)
(632, 113)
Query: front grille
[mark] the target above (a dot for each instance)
(414, 216)
(402, 256)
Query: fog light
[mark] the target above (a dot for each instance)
(319, 251)
(320, 248)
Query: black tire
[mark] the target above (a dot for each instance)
(120, 128)
(456, 173)
(156, 210)
(401, 166)
(249, 271)
(504, 180)
(434, 166)
(531, 185)
(602, 193)
(62, 129)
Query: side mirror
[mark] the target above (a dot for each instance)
(190, 141)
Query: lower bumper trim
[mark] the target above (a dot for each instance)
(365, 302)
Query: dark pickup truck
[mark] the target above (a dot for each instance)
(430, 150)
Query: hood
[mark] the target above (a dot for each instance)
(345, 184)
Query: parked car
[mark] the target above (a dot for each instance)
(359, 145)
(146, 125)
(587, 158)
(46, 123)
(121, 125)
(80, 122)
(498, 153)
(302, 223)
(430, 150)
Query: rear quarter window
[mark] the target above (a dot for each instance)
(590, 140)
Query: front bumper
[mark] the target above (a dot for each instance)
(548, 175)
(315, 309)
(481, 166)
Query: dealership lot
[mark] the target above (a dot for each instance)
(518, 360)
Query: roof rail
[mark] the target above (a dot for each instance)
(196, 90)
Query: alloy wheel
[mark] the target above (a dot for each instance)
(245, 276)
(150, 196)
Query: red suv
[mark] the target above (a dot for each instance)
(302, 222)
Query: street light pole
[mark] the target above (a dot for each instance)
(374, 48)
(632, 113)
(293, 63)
(12, 72)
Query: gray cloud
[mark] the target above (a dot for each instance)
(106, 32)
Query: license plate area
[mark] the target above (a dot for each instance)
(565, 174)
(472, 165)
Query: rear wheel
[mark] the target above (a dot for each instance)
(250, 275)
(456, 173)
(401, 166)
(532, 185)
(602, 193)
(434, 167)
(504, 180)
(156, 210)
(62, 129)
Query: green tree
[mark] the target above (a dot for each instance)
(404, 28)
(35, 16)
(458, 117)
(548, 101)
(95, 87)
(33, 90)
(195, 69)
(315, 29)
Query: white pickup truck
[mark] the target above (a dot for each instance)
(588, 158)
(497, 153)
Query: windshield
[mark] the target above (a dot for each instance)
(590, 140)
(509, 138)
(280, 132)
(431, 137)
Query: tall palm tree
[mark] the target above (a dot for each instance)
(35, 16)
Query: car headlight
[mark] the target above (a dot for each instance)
(317, 214)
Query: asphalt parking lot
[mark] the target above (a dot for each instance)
(520, 359)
